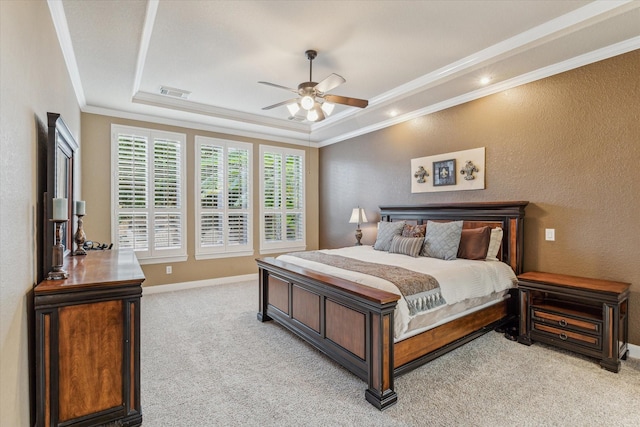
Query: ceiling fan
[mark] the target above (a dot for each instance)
(314, 103)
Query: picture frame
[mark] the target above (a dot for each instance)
(444, 173)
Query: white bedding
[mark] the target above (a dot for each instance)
(460, 281)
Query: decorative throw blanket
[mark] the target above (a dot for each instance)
(421, 291)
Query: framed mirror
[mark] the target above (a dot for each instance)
(61, 147)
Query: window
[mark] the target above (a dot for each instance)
(282, 202)
(147, 193)
(223, 198)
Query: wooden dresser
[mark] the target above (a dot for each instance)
(88, 342)
(588, 316)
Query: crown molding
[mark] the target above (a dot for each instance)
(197, 126)
(218, 112)
(249, 125)
(64, 39)
(541, 73)
(145, 39)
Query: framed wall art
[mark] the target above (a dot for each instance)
(454, 171)
(444, 172)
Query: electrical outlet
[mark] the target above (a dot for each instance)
(169, 269)
(550, 234)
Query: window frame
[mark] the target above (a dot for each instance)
(225, 250)
(151, 255)
(282, 245)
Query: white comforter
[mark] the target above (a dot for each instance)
(459, 279)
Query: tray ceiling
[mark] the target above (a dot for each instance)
(408, 58)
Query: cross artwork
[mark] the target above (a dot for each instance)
(421, 173)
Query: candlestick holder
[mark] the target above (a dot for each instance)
(57, 260)
(80, 237)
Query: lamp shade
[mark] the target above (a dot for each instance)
(327, 107)
(358, 216)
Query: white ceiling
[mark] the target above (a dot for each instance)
(408, 58)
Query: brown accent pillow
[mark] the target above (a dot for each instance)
(474, 243)
(414, 230)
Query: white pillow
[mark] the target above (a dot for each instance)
(494, 244)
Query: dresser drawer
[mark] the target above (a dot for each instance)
(553, 333)
(565, 321)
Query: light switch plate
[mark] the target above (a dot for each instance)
(550, 234)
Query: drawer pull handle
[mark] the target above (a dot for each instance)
(562, 322)
(563, 336)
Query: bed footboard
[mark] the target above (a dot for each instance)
(350, 323)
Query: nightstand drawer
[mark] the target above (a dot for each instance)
(562, 320)
(590, 341)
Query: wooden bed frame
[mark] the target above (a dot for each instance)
(353, 323)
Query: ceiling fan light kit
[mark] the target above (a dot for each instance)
(314, 103)
(307, 102)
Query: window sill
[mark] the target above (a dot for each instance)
(224, 255)
(283, 249)
(163, 260)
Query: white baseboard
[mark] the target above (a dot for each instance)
(147, 290)
(634, 351)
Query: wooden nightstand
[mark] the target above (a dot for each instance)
(588, 316)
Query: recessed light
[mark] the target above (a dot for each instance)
(485, 80)
(393, 113)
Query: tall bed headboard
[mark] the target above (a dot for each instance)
(507, 215)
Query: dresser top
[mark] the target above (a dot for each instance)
(97, 268)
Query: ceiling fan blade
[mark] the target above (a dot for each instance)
(279, 86)
(331, 82)
(288, 101)
(352, 102)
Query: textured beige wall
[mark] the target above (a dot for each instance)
(33, 81)
(96, 134)
(569, 144)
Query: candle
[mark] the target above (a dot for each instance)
(60, 209)
(80, 206)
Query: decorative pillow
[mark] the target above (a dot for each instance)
(386, 231)
(406, 245)
(474, 243)
(414, 230)
(442, 239)
(494, 244)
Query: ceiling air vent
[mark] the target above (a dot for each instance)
(176, 93)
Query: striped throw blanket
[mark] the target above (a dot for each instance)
(421, 291)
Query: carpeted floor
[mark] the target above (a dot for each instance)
(207, 361)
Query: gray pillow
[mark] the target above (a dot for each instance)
(442, 239)
(406, 245)
(386, 231)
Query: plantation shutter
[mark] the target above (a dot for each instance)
(272, 197)
(283, 199)
(149, 213)
(133, 193)
(167, 195)
(211, 196)
(238, 190)
(224, 209)
(294, 198)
